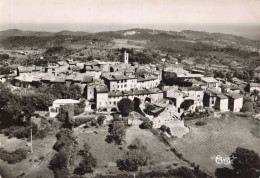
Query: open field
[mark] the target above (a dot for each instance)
(161, 153)
(32, 166)
(218, 137)
(123, 43)
(106, 154)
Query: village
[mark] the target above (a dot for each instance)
(88, 104)
(104, 84)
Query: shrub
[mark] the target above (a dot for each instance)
(101, 119)
(201, 123)
(88, 163)
(94, 123)
(82, 120)
(163, 128)
(146, 125)
(13, 157)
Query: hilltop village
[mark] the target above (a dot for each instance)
(61, 118)
(104, 84)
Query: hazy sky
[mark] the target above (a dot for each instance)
(74, 14)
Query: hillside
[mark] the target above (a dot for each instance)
(203, 46)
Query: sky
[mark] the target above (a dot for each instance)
(101, 15)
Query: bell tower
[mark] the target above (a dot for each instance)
(125, 57)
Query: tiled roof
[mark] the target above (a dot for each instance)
(101, 89)
(58, 80)
(212, 92)
(142, 79)
(118, 77)
(221, 96)
(209, 80)
(234, 95)
(25, 69)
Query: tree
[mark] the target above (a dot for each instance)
(247, 107)
(14, 109)
(219, 74)
(186, 104)
(80, 107)
(66, 116)
(116, 132)
(101, 119)
(246, 163)
(137, 156)
(88, 162)
(163, 128)
(146, 125)
(125, 106)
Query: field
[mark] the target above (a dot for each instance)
(32, 166)
(161, 154)
(123, 43)
(106, 154)
(218, 137)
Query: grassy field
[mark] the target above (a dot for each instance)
(123, 43)
(32, 166)
(106, 154)
(218, 137)
(161, 153)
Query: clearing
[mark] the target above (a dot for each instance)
(218, 137)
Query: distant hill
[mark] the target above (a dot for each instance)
(15, 32)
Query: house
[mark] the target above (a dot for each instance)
(56, 105)
(211, 83)
(147, 81)
(194, 93)
(90, 89)
(53, 68)
(108, 100)
(235, 102)
(252, 87)
(216, 100)
(174, 95)
(171, 72)
(29, 69)
(27, 80)
(120, 82)
(225, 88)
(79, 79)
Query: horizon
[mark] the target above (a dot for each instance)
(238, 17)
(248, 31)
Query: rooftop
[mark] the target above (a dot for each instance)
(209, 80)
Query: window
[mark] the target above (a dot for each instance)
(90, 92)
(99, 103)
(212, 101)
(198, 95)
(110, 102)
(114, 103)
(125, 85)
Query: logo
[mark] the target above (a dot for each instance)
(224, 160)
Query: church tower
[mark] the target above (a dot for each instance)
(125, 57)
